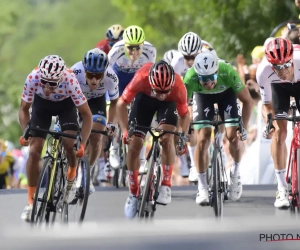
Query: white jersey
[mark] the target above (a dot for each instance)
(109, 83)
(265, 75)
(121, 63)
(68, 87)
(178, 64)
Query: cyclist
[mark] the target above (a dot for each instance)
(188, 46)
(113, 35)
(52, 89)
(126, 57)
(169, 55)
(96, 78)
(278, 78)
(214, 81)
(156, 88)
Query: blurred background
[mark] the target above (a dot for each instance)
(32, 29)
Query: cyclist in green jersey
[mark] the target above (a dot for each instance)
(212, 80)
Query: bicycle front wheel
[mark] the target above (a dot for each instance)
(217, 190)
(75, 210)
(39, 213)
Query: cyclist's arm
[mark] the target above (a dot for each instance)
(245, 98)
(112, 111)
(24, 116)
(87, 121)
(265, 110)
(122, 115)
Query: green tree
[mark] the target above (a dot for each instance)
(231, 26)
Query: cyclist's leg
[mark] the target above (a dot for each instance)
(281, 94)
(229, 109)
(68, 120)
(142, 113)
(203, 110)
(40, 116)
(167, 118)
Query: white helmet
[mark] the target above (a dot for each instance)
(168, 56)
(189, 44)
(205, 44)
(52, 67)
(206, 63)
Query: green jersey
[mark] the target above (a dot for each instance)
(227, 78)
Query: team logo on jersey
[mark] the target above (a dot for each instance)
(222, 87)
(57, 97)
(239, 85)
(77, 71)
(112, 76)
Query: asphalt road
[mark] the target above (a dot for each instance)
(247, 224)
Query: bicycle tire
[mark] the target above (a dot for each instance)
(156, 187)
(82, 193)
(145, 190)
(217, 194)
(38, 215)
(116, 178)
(298, 180)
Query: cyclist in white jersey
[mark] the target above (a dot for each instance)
(278, 76)
(96, 78)
(170, 54)
(126, 57)
(53, 90)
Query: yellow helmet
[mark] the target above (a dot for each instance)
(133, 35)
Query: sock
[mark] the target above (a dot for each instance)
(191, 153)
(133, 179)
(115, 144)
(71, 173)
(143, 154)
(202, 182)
(234, 170)
(182, 161)
(31, 193)
(167, 174)
(280, 175)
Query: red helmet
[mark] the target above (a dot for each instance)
(162, 76)
(279, 51)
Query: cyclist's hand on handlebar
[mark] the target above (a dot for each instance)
(125, 138)
(111, 129)
(80, 152)
(267, 135)
(23, 141)
(242, 135)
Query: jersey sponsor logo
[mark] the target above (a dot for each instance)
(223, 74)
(77, 71)
(57, 97)
(112, 76)
(262, 87)
(206, 111)
(239, 85)
(221, 87)
(228, 109)
(238, 107)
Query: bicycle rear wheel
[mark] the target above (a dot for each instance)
(75, 210)
(217, 190)
(39, 213)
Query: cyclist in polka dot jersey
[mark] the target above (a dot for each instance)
(53, 90)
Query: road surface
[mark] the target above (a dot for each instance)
(248, 224)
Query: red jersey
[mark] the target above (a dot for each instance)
(140, 83)
(103, 45)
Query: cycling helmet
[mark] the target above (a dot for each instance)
(279, 51)
(52, 67)
(133, 35)
(95, 61)
(189, 44)
(168, 56)
(206, 63)
(115, 32)
(162, 76)
(205, 44)
(207, 48)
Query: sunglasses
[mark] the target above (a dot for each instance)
(90, 75)
(132, 47)
(161, 92)
(207, 78)
(282, 66)
(188, 58)
(51, 83)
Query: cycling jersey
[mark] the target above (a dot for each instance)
(123, 66)
(140, 83)
(68, 87)
(178, 64)
(103, 45)
(227, 78)
(266, 76)
(109, 83)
